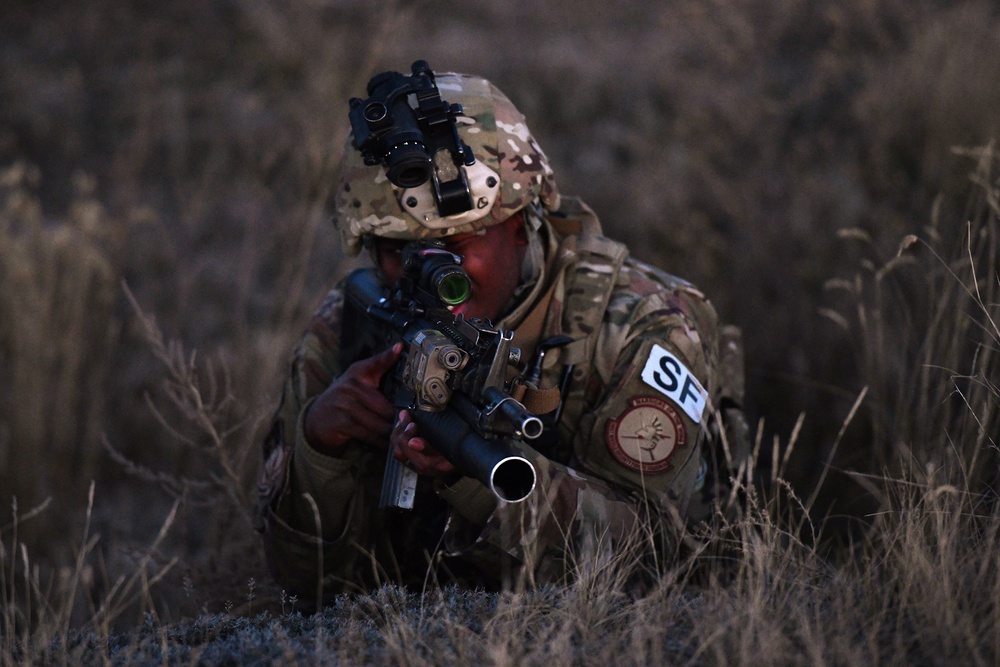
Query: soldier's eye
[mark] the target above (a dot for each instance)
(389, 248)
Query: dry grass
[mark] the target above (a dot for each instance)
(797, 160)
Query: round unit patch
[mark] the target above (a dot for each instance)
(646, 435)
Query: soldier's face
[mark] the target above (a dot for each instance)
(492, 259)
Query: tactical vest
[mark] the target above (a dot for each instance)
(589, 281)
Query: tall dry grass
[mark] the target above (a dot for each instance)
(925, 326)
(59, 288)
(186, 154)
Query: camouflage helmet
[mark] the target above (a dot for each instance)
(511, 172)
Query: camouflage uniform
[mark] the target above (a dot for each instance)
(641, 394)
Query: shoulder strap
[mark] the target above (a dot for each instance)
(589, 283)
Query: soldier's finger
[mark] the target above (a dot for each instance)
(425, 460)
(370, 427)
(404, 420)
(372, 402)
(373, 368)
(427, 455)
(402, 430)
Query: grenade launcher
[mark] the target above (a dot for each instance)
(452, 375)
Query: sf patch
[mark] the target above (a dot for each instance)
(665, 373)
(646, 435)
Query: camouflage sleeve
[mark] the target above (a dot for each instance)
(636, 444)
(309, 503)
(649, 394)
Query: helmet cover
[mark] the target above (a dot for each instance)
(368, 204)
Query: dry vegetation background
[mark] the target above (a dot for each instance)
(166, 172)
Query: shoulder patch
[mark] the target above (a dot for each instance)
(646, 435)
(665, 373)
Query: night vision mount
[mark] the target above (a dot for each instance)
(405, 126)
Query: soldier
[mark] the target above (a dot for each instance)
(649, 420)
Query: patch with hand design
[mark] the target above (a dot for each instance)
(646, 435)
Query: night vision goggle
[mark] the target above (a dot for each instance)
(405, 126)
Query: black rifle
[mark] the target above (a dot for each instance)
(452, 375)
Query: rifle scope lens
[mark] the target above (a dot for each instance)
(453, 287)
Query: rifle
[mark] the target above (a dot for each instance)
(452, 375)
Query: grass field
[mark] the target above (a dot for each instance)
(826, 172)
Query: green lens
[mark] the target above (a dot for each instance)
(454, 288)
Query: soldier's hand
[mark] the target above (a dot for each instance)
(352, 407)
(414, 451)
